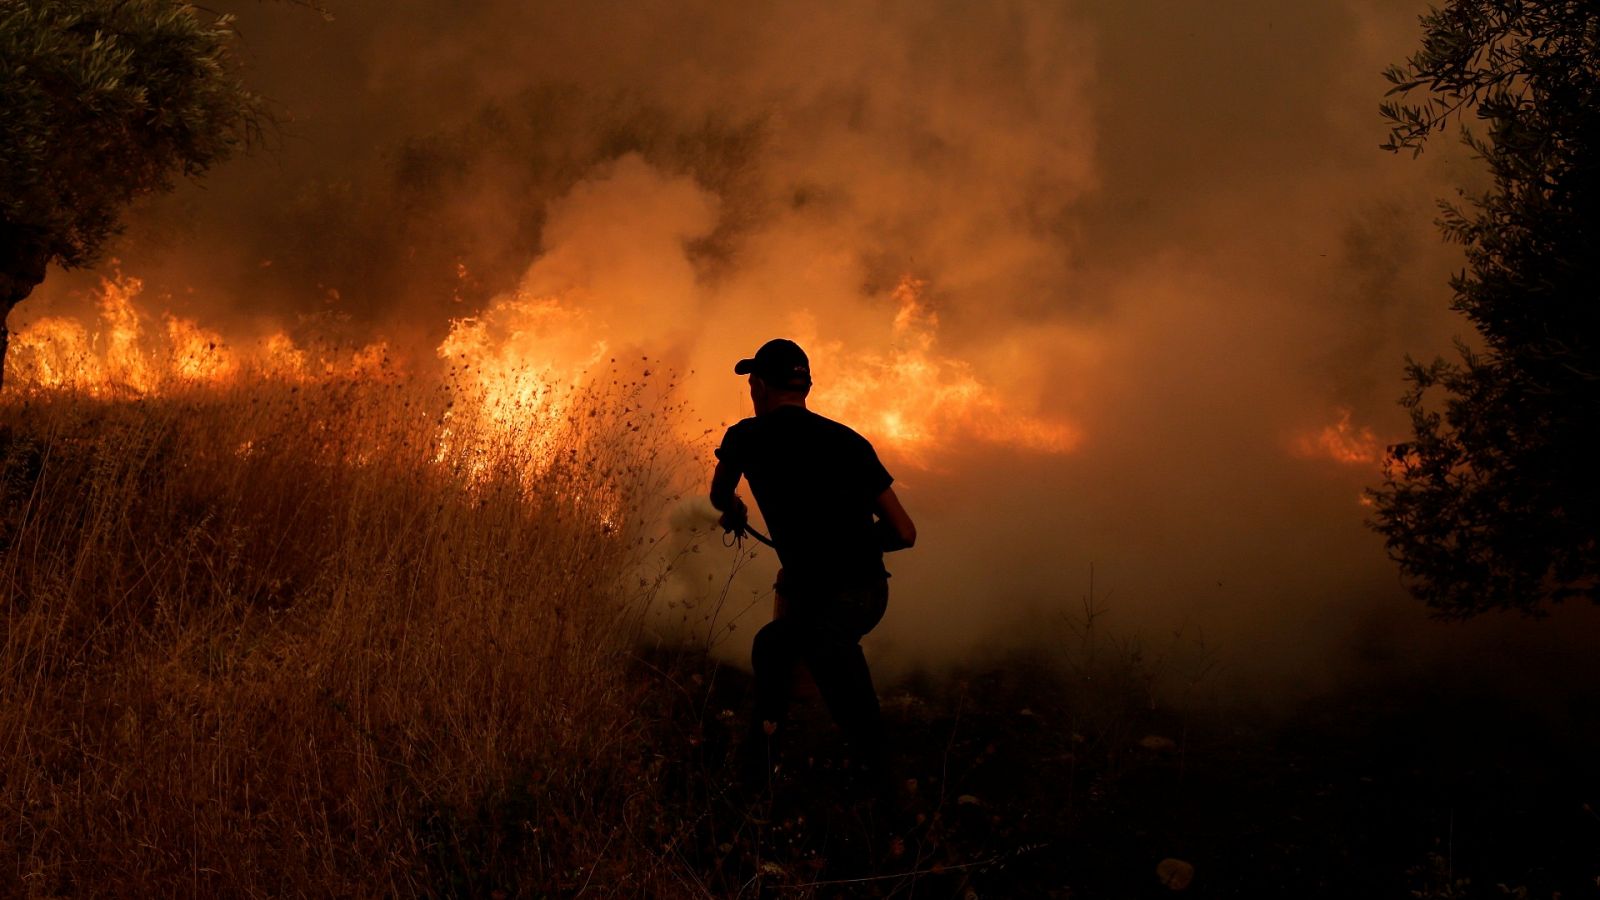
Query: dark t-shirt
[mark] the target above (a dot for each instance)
(816, 482)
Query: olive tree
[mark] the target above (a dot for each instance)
(101, 102)
(1494, 501)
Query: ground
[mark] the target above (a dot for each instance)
(1427, 788)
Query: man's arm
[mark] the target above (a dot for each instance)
(723, 481)
(895, 528)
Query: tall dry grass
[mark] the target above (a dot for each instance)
(274, 639)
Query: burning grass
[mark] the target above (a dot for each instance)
(352, 637)
(278, 637)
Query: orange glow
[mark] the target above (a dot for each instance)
(61, 353)
(124, 354)
(921, 403)
(54, 352)
(1341, 442)
(120, 353)
(198, 354)
(512, 372)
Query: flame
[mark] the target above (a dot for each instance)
(54, 352)
(512, 373)
(124, 354)
(512, 370)
(1342, 442)
(921, 403)
(58, 352)
(198, 354)
(278, 357)
(120, 353)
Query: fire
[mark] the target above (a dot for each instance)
(54, 353)
(512, 373)
(920, 402)
(122, 354)
(515, 358)
(198, 354)
(1341, 442)
(280, 358)
(59, 352)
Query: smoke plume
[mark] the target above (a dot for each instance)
(1116, 285)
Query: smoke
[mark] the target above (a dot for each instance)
(1160, 237)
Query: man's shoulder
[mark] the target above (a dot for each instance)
(734, 439)
(743, 425)
(837, 429)
(795, 423)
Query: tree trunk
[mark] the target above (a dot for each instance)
(23, 256)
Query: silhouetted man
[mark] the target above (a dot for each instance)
(832, 513)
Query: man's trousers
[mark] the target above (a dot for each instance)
(821, 627)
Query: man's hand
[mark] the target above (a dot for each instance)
(735, 517)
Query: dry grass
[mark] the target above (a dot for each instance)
(272, 639)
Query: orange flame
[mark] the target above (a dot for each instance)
(120, 354)
(198, 354)
(514, 368)
(1341, 442)
(922, 403)
(59, 352)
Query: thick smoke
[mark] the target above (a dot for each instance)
(1163, 228)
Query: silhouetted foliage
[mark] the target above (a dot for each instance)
(1494, 503)
(102, 101)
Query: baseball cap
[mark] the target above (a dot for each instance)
(780, 363)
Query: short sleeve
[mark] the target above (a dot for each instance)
(732, 449)
(875, 477)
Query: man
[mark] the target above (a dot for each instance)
(828, 503)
